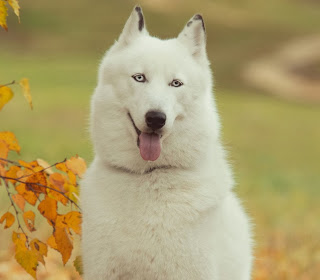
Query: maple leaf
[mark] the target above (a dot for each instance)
(40, 248)
(28, 259)
(6, 93)
(77, 165)
(9, 218)
(15, 6)
(48, 209)
(64, 243)
(29, 217)
(3, 16)
(24, 83)
(11, 140)
(19, 200)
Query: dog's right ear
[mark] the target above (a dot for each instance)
(134, 27)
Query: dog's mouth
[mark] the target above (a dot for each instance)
(148, 143)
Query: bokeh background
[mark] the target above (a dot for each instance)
(266, 61)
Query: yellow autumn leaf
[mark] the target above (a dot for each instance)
(11, 140)
(5, 92)
(19, 200)
(4, 151)
(24, 83)
(3, 15)
(64, 243)
(9, 218)
(45, 165)
(48, 209)
(40, 248)
(77, 165)
(29, 217)
(15, 6)
(28, 259)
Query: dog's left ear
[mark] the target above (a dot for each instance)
(193, 36)
(134, 27)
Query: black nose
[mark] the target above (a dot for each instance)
(155, 119)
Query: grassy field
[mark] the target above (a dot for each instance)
(273, 144)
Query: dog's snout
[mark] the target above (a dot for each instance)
(155, 119)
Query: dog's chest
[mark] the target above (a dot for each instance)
(149, 230)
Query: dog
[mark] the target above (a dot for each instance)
(157, 200)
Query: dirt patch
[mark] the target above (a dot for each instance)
(293, 72)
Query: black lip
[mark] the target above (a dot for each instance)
(136, 129)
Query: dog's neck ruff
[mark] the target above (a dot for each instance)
(148, 171)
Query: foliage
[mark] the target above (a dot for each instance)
(44, 189)
(4, 11)
(6, 92)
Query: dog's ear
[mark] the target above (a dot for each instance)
(193, 36)
(134, 27)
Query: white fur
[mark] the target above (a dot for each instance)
(179, 221)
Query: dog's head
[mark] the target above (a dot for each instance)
(153, 102)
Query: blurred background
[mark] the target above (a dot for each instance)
(266, 61)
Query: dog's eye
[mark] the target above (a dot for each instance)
(176, 83)
(139, 78)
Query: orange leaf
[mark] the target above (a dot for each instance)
(29, 220)
(12, 172)
(56, 195)
(62, 166)
(64, 243)
(70, 220)
(30, 165)
(11, 140)
(48, 209)
(28, 259)
(3, 15)
(24, 83)
(19, 200)
(57, 180)
(4, 151)
(46, 165)
(28, 195)
(52, 242)
(77, 165)
(2, 171)
(40, 248)
(37, 178)
(5, 92)
(9, 219)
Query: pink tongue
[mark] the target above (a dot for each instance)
(150, 147)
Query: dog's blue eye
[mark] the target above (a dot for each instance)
(139, 78)
(176, 83)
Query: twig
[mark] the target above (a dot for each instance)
(28, 175)
(8, 84)
(15, 163)
(40, 185)
(15, 209)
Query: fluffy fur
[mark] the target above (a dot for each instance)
(176, 217)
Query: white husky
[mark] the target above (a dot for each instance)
(157, 199)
